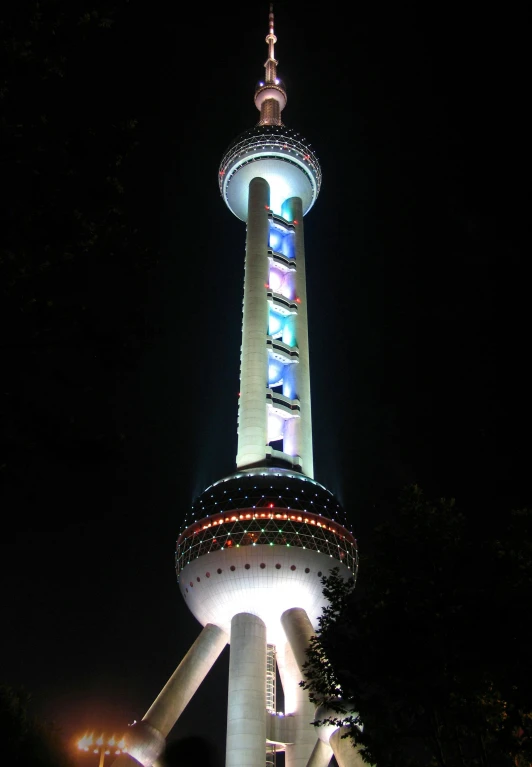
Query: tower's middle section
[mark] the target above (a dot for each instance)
(270, 178)
(274, 414)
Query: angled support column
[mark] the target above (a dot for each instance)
(177, 692)
(321, 755)
(301, 428)
(298, 630)
(146, 740)
(344, 751)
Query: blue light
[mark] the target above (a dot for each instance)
(289, 333)
(275, 324)
(289, 382)
(275, 240)
(275, 372)
(288, 246)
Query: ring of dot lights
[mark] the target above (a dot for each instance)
(288, 164)
(272, 527)
(248, 488)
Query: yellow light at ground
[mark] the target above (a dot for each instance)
(85, 742)
(102, 745)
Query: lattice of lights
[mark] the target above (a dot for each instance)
(272, 527)
(276, 138)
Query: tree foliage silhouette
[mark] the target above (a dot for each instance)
(25, 740)
(427, 659)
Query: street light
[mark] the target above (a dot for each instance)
(102, 745)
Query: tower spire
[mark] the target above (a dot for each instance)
(271, 39)
(270, 94)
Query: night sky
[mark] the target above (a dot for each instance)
(417, 252)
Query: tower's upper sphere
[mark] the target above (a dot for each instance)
(278, 155)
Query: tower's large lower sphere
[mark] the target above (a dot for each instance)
(261, 544)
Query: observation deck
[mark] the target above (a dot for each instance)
(280, 156)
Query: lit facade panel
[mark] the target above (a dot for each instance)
(262, 580)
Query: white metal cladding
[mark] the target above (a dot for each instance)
(261, 580)
(276, 170)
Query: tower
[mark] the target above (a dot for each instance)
(252, 552)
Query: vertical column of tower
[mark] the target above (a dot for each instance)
(246, 710)
(299, 430)
(252, 413)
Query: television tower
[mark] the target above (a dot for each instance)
(252, 552)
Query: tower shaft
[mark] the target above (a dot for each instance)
(274, 403)
(252, 416)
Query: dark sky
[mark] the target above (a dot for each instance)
(417, 252)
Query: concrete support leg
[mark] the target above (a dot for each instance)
(246, 709)
(299, 710)
(298, 630)
(177, 692)
(344, 751)
(147, 739)
(145, 745)
(321, 755)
